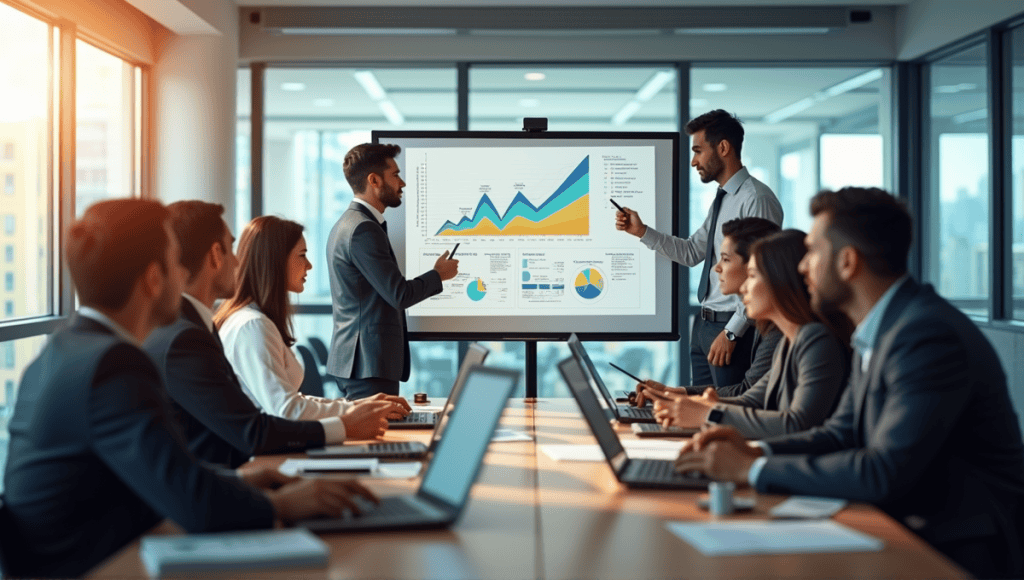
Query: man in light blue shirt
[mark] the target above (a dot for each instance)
(721, 339)
(925, 430)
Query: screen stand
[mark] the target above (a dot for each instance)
(531, 371)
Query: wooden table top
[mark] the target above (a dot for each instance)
(532, 517)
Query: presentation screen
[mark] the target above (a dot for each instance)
(539, 255)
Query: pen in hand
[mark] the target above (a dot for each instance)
(452, 255)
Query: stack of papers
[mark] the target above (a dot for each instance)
(197, 553)
(767, 537)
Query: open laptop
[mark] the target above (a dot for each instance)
(411, 449)
(427, 419)
(444, 491)
(652, 473)
(622, 413)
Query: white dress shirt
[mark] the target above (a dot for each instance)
(269, 371)
(373, 210)
(745, 196)
(334, 429)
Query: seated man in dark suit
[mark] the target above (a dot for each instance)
(926, 429)
(221, 423)
(93, 459)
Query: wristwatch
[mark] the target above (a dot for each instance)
(715, 416)
(731, 336)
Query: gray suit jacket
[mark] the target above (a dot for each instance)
(799, 392)
(369, 296)
(928, 433)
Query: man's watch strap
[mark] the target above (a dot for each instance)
(731, 336)
(715, 416)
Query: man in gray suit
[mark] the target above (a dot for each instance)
(369, 349)
(926, 429)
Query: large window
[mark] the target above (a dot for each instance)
(1016, 264)
(108, 98)
(25, 117)
(958, 194)
(15, 356)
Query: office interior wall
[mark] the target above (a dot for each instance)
(193, 106)
(925, 25)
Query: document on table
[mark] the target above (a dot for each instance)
(197, 553)
(509, 435)
(656, 449)
(772, 537)
(328, 466)
(807, 507)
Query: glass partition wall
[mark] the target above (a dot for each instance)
(807, 128)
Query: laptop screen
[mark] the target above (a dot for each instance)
(470, 427)
(581, 354)
(474, 356)
(572, 372)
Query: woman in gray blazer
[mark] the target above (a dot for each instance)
(809, 367)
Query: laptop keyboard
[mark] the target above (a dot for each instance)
(656, 428)
(635, 413)
(399, 447)
(417, 417)
(655, 470)
(389, 507)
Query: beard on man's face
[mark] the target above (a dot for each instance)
(390, 196)
(830, 293)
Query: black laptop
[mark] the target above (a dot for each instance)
(410, 449)
(651, 473)
(622, 413)
(427, 419)
(444, 491)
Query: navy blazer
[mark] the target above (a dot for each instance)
(220, 422)
(369, 296)
(94, 461)
(928, 433)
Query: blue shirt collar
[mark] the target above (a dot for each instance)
(737, 179)
(866, 334)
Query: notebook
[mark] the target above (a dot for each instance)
(622, 413)
(444, 490)
(652, 473)
(199, 553)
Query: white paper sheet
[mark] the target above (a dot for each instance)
(807, 507)
(667, 450)
(400, 470)
(772, 537)
(507, 435)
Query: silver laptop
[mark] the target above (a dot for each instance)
(444, 491)
(622, 413)
(427, 419)
(652, 473)
(411, 449)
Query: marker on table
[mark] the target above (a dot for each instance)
(452, 255)
(616, 204)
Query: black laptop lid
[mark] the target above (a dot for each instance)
(609, 442)
(460, 452)
(581, 355)
(475, 356)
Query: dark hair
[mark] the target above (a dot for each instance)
(263, 251)
(777, 258)
(198, 226)
(110, 247)
(871, 220)
(745, 231)
(718, 125)
(362, 160)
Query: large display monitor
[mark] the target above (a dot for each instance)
(539, 255)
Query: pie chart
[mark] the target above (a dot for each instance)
(476, 290)
(589, 283)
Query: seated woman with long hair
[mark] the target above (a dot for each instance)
(738, 236)
(256, 328)
(810, 364)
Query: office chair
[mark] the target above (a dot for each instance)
(312, 382)
(10, 544)
(319, 349)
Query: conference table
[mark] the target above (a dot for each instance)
(530, 516)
